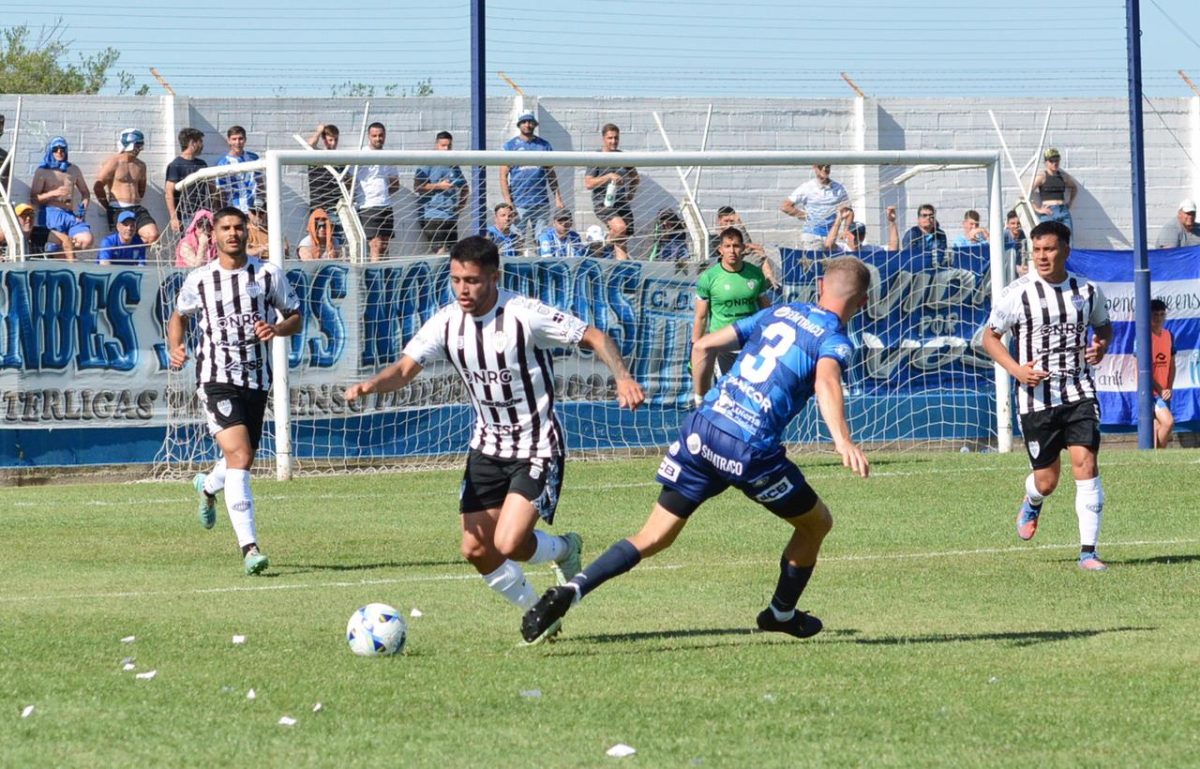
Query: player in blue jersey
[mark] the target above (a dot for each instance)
(789, 353)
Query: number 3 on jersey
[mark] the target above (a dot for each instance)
(778, 339)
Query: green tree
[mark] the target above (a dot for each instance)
(366, 91)
(40, 64)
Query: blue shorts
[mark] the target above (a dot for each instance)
(1159, 403)
(64, 221)
(705, 461)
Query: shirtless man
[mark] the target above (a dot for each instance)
(52, 193)
(121, 185)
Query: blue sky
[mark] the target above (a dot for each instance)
(936, 48)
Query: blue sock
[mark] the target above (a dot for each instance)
(613, 562)
(792, 581)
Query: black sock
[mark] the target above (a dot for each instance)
(249, 547)
(613, 562)
(1087, 548)
(792, 581)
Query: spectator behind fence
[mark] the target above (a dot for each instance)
(52, 193)
(1014, 237)
(559, 239)
(973, 233)
(1162, 354)
(816, 203)
(183, 205)
(847, 236)
(125, 246)
(3, 157)
(121, 184)
(323, 189)
(242, 191)
(503, 234)
(197, 248)
(258, 235)
(443, 193)
(670, 238)
(319, 241)
(1182, 230)
(525, 187)
(926, 235)
(1054, 191)
(24, 213)
(374, 186)
(613, 189)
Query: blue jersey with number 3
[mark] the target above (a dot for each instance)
(774, 374)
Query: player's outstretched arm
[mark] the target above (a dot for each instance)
(704, 356)
(828, 389)
(629, 392)
(391, 378)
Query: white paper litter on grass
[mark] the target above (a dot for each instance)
(27, 712)
(416, 612)
(239, 639)
(287, 721)
(769, 697)
(251, 694)
(128, 666)
(128, 639)
(532, 694)
(147, 675)
(318, 708)
(620, 750)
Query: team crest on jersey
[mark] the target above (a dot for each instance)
(460, 343)
(225, 407)
(750, 284)
(843, 350)
(674, 448)
(1078, 301)
(694, 443)
(253, 290)
(781, 312)
(1035, 448)
(500, 341)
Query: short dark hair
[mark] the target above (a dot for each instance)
(733, 232)
(230, 211)
(926, 207)
(609, 127)
(189, 135)
(1058, 229)
(726, 211)
(332, 130)
(972, 214)
(378, 125)
(504, 205)
(444, 135)
(478, 249)
(1158, 305)
(1011, 215)
(234, 130)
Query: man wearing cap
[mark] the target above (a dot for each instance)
(121, 185)
(816, 203)
(24, 213)
(559, 239)
(525, 187)
(1054, 191)
(52, 193)
(1182, 231)
(125, 246)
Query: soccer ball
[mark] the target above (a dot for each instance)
(376, 630)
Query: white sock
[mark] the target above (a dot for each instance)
(1089, 507)
(549, 547)
(215, 480)
(509, 581)
(1031, 491)
(239, 501)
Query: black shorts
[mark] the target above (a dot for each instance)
(489, 480)
(625, 212)
(1050, 431)
(227, 405)
(143, 216)
(378, 222)
(441, 233)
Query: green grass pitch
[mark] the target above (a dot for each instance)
(947, 643)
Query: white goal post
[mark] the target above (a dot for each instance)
(918, 379)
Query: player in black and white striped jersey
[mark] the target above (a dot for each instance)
(499, 344)
(241, 303)
(1049, 311)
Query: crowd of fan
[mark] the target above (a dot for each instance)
(531, 219)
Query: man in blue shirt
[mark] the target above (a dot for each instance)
(502, 233)
(124, 246)
(789, 353)
(443, 191)
(559, 239)
(926, 236)
(525, 187)
(246, 190)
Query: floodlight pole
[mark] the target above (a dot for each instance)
(1141, 261)
(478, 115)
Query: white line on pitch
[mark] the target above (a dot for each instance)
(647, 567)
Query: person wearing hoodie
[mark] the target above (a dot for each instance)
(197, 247)
(319, 243)
(52, 193)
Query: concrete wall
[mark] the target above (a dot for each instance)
(1092, 135)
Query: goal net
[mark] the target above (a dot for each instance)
(919, 378)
